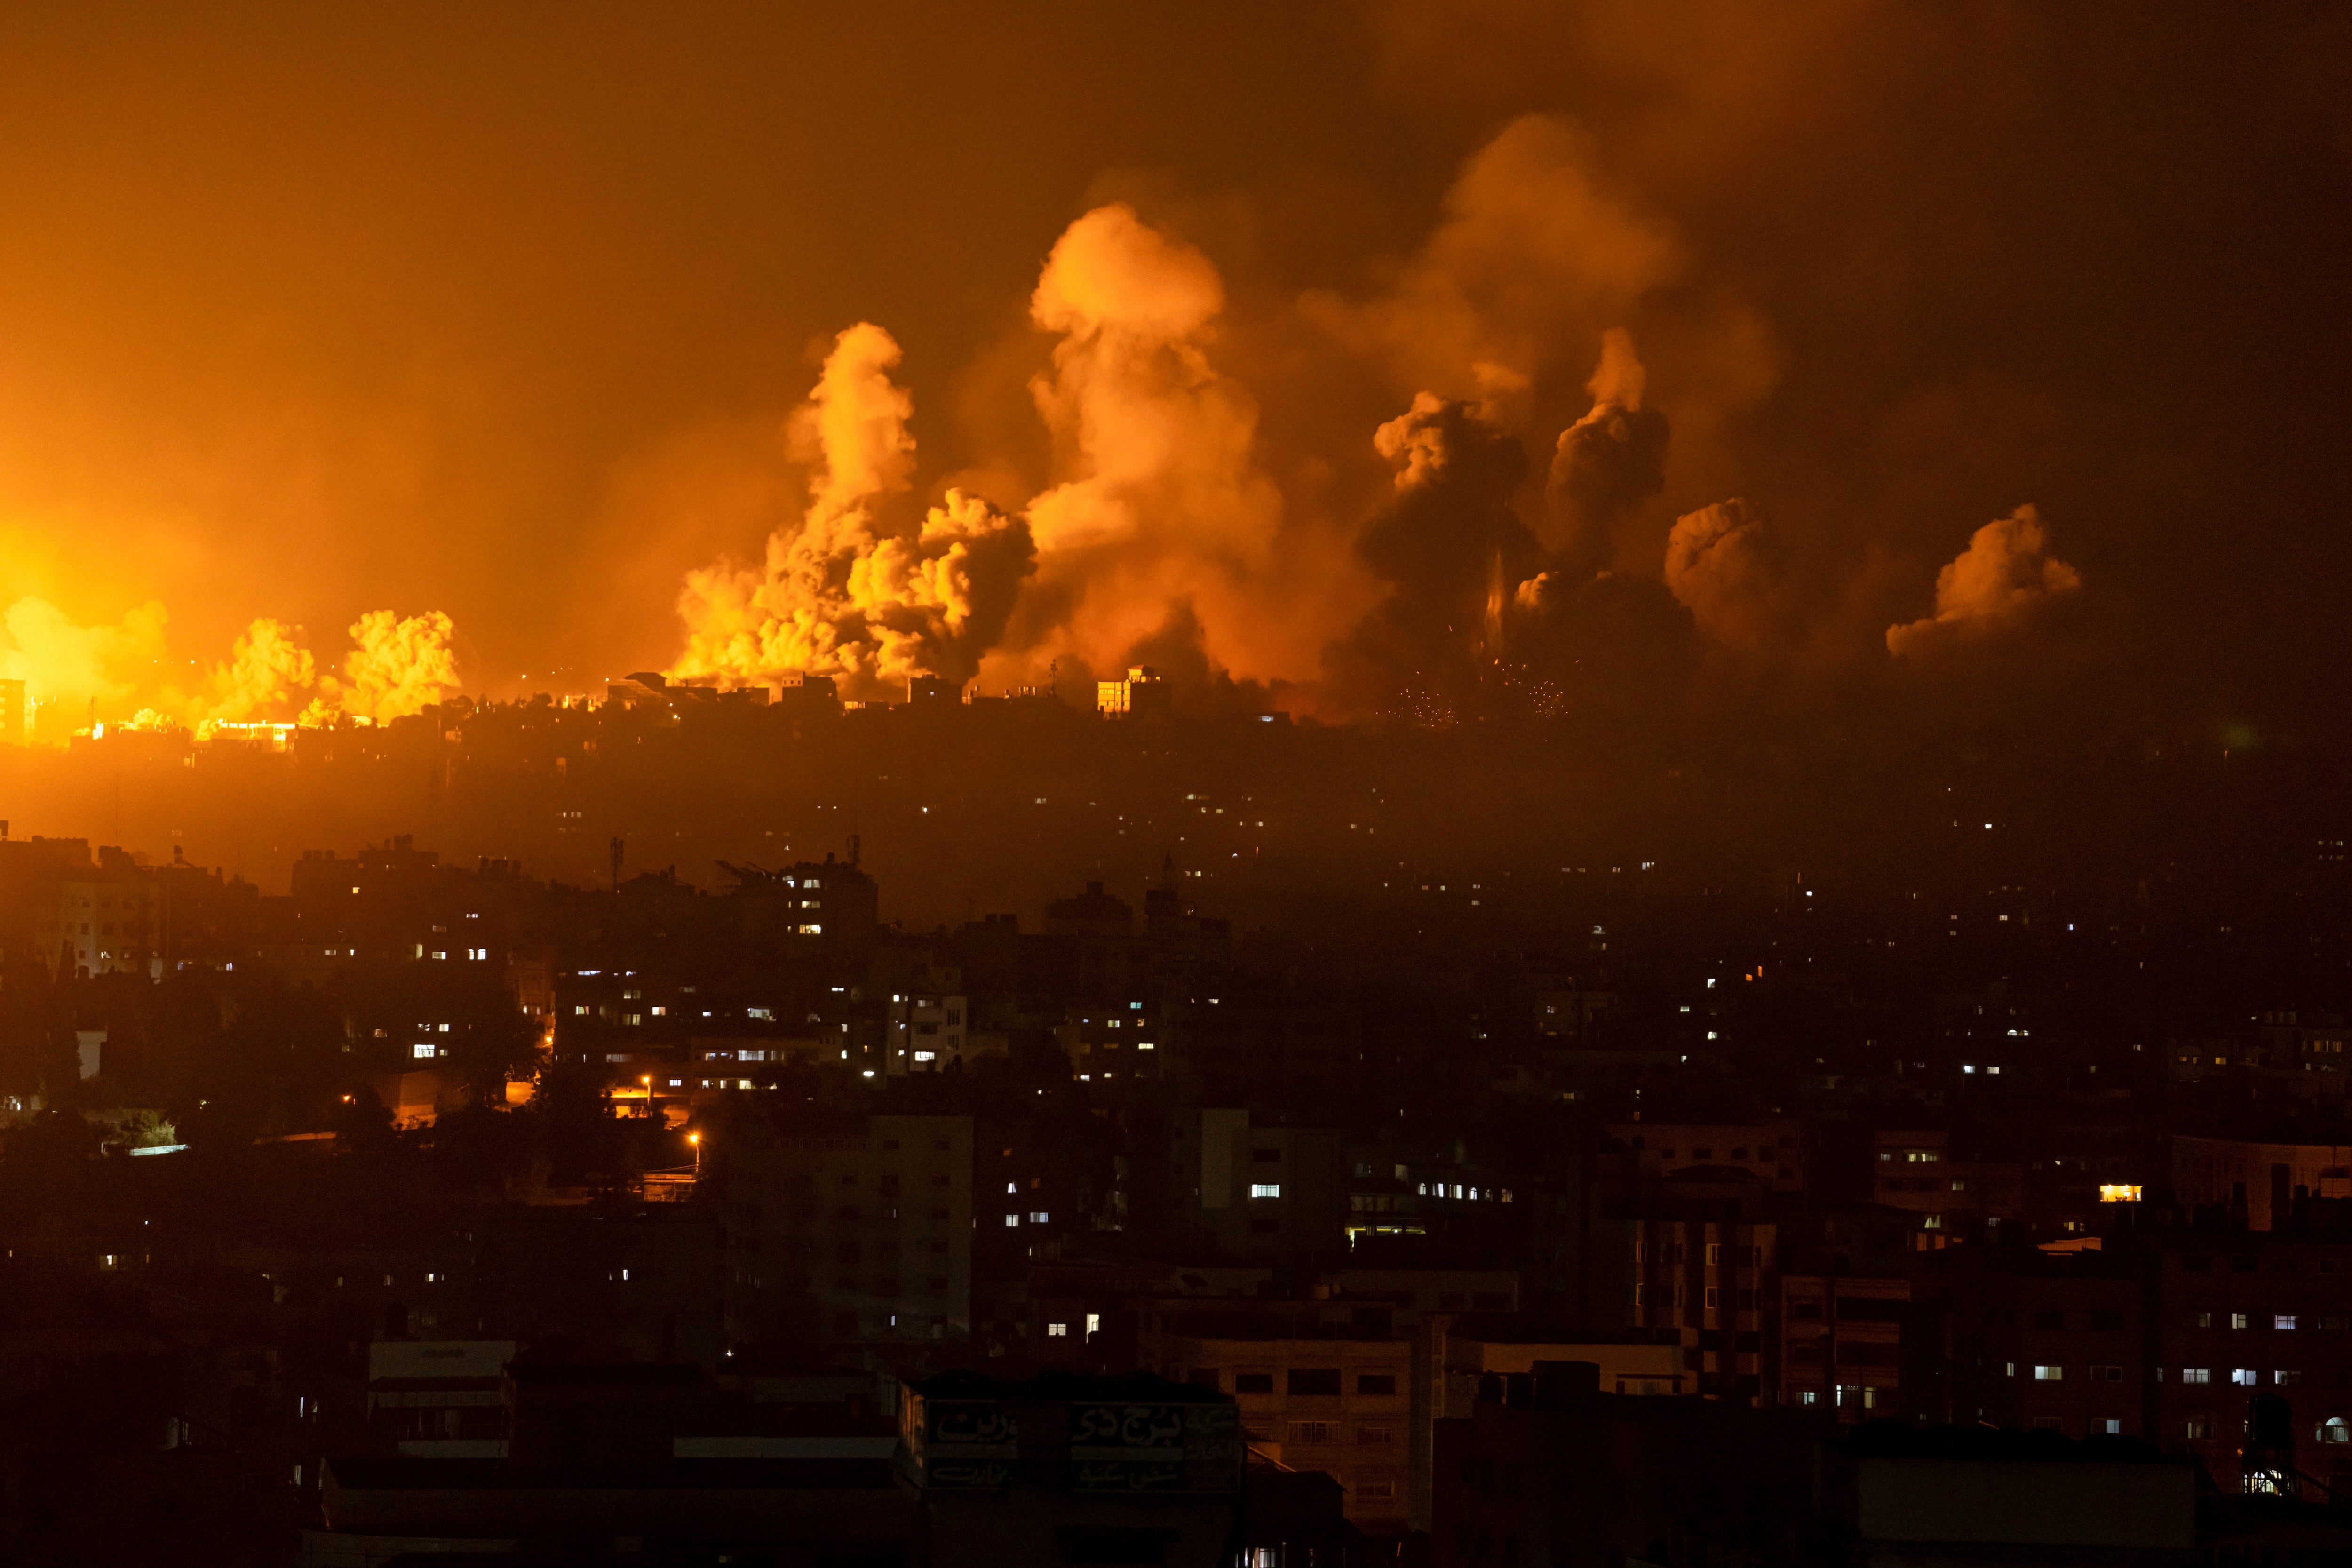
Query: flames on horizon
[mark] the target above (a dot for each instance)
(1166, 533)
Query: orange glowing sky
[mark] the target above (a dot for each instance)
(310, 312)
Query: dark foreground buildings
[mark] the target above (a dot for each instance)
(1388, 1203)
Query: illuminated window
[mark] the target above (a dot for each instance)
(2196, 1374)
(2049, 1374)
(1038, 1218)
(1012, 1220)
(2240, 1321)
(2283, 1321)
(423, 1050)
(1094, 1322)
(1057, 1331)
(2243, 1377)
(2195, 1428)
(2287, 1378)
(1265, 1189)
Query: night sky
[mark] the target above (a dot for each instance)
(508, 314)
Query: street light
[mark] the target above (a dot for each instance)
(695, 1139)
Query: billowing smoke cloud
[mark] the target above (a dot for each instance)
(2005, 575)
(267, 674)
(1727, 567)
(845, 592)
(118, 673)
(1163, 515)
(399, 667)
(1453, 554)
(1533, 258)
(1606, 463)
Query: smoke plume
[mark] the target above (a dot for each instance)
(67, 668)
(1453, 554)
(267, 672)
(1163, 513)
(2005, 575)
(846, 591)
(1606, 463)
(114, 673)
(1727, 567)
(398, 668)
(1534, 254)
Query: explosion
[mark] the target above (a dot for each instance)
(845, 592)
(75, 675)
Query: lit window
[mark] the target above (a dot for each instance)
(1037, 1217)
(2196, 1374)
(2049, 1374)
(1265, 1189)
(1093, 1320)
(424, 1049)
(2286, 1377)
(1013, 1219)
(660, 1012)
(2283, 1321)
(1057, 1331)
(2240, 1321)
(2243, 1377)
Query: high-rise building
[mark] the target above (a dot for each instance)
(860, 1230)
(1142, 693)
